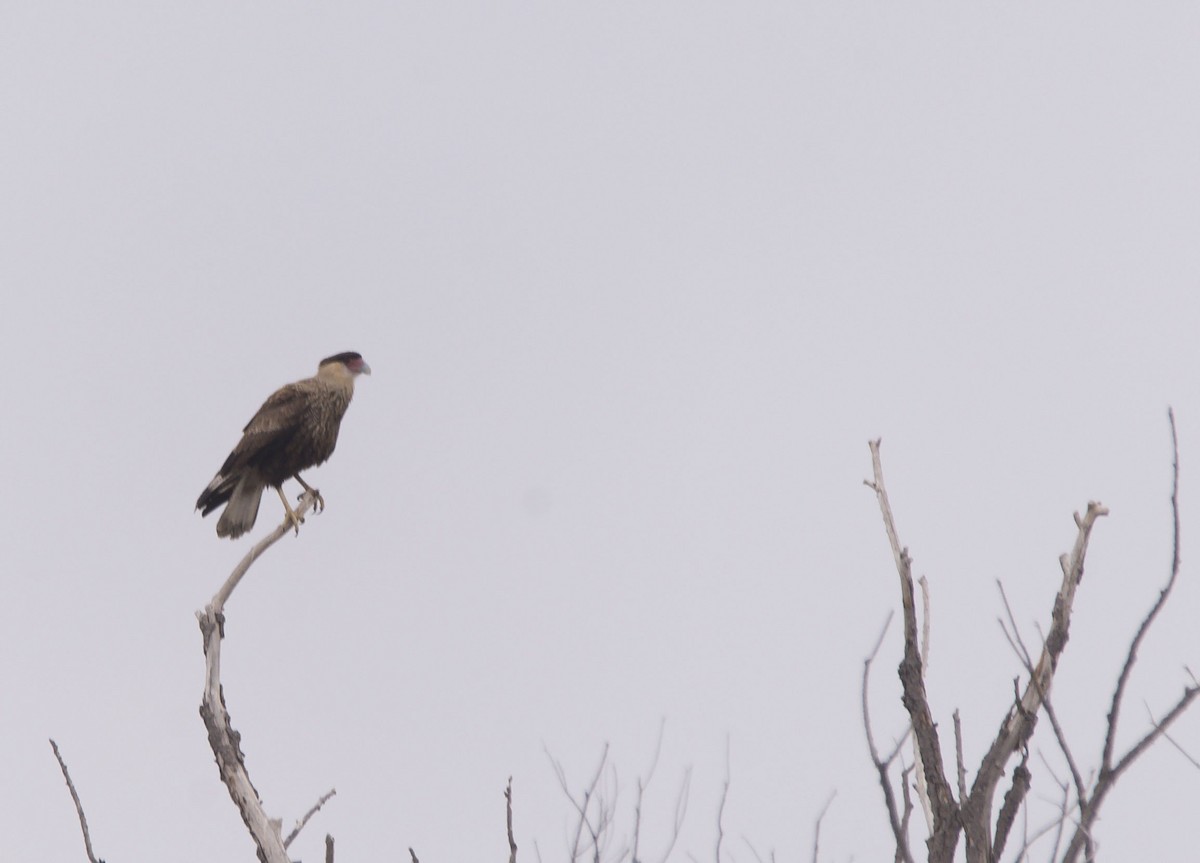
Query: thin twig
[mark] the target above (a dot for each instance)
(1015, 641)
(87, 839)
(1059, 735)
(681, 804)
(1081, 840)
(582, 806)
(721, 805)
(1191, 758)
(328, 848)
(1131, 657)
(642, 785)
(817, 827)
(899, 825)
(307, 815)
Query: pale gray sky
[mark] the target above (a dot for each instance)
(637, 282)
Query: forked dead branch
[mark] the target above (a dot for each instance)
(225, 741)
(970, 813)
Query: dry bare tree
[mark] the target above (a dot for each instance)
(957, 811)
(954, 810)
(593, 835)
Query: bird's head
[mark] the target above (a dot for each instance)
(350, 362)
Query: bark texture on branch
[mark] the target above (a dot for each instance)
(224, 740)
(971, 814)
(944, 836)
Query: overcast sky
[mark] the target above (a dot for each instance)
(638, 282)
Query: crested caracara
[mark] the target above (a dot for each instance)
(295, 429)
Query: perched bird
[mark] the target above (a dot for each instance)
(295, 429)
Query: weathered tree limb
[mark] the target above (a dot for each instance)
(919, 783)
(223, 739)
(1089, 808)
(883, 765)
(1019, 724)
(512, 842)
(1013, 801)
(971, 814)
(87, 838)
(291, 837)
(943, 837)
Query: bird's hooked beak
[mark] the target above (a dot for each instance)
(365, 370)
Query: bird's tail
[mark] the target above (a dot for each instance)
(242, 510)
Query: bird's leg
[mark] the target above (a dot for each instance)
(291, 513)
(308, 488)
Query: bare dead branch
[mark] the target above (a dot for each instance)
(681, 804)
(642, 785)
(328, 848)
(583, 805)
(1131, 657)
(866, 677)
(958, 756)
(922, 786)
(944, 835)
(902, 853)
(1159, 729)
(757, 856)
(512, 842)
(899, 825)
(87, 838)
(307, 815)
(721, 805)
(1081, 792)
(1018, 725)
(413, 855)
(817, 827)
(223, 739)
(1022, 652)
(923, 583)
(1014, 640)
(1058, 825)
(1167, 737)
(681, 801)
(1014, 799)
(1081, 840)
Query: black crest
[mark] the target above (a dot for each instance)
(342, 358)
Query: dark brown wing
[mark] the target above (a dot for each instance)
(271, 428)
(262, 450)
